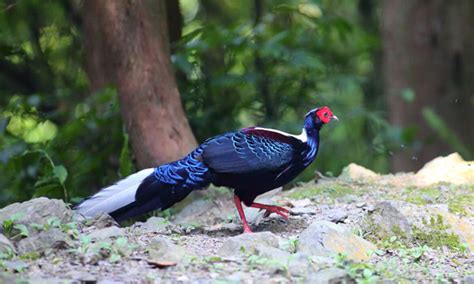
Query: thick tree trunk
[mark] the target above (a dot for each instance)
(127, 45)
(429, 48)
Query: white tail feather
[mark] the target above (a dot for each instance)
(115, 196)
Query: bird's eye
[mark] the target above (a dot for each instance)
(325, 114)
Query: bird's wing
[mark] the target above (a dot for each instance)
(249, 150)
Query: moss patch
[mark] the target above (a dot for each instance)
(435, 234)
(333, 190)
(421, 196)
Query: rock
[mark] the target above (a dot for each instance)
(277, 259)
(273, 253)
(5, 245)
(155, 224)
(247, 243)
(164, 250)
(388, 218)
(336, 215)
(105, 233)
(82, 276)
(330, 275)
(468, 279)
(36, 211)
(356, 173)
(302, 211)
(460, 171)
(15, 265)
(323, 238)
(397, 218)
(43, 241)
(301, 202)
(239, 277)
(460, 226)
(103, 220)
(10, 278)
(299, 264)
(199, 212)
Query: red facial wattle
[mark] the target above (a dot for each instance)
(325, 114)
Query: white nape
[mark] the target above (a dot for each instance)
(115, 196)
(303, 137)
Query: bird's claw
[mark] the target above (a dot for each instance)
(277, 210)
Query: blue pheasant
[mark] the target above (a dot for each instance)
(252, 161)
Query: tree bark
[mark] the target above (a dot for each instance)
(429, 48)
(127, 45)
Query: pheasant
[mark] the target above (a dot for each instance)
(252, 161)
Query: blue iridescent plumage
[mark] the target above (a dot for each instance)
(251, 161)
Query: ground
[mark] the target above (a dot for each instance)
(359, 227)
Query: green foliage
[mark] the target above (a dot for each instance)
(8, 225)
(443, 130)
(332, 191)
(436, 234)
(234, 68)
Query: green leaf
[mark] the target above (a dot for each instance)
(19, 125)
(60, 173)
(44, 131)
(121, 242)
(115, 258)
(23, 230)
(444, 131)
(408, 95)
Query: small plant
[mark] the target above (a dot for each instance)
(9, 224)
(291, 244)
(256, 261)
(436, 235)
(361, 272)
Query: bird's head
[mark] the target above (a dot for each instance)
(319, 116)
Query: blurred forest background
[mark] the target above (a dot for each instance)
(93, 90)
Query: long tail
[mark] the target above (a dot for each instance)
(149, 189)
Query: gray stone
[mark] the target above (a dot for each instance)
(247, 243)
(468, 279)
(5, 245)
(388, 217)
(273, 253)
(239, 277)
(329, 276)
(323, 238)
(337, 215)
(44, 240)
(299, 265)
(109, 232)
(302, 211)
(276, 259)
(10, 278)
(36, 211)
(48, 280)
(163, 249)
(82, 276)
(103, 220)
(155, 224)
(15, 265)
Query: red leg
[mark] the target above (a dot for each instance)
(272, 209)
(238, 204)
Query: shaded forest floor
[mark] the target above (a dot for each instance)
(358, 227)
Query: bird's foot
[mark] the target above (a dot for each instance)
(269, 209)
(247, 230)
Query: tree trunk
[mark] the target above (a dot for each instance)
(429, 48)
(127, 45)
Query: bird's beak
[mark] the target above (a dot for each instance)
(334, 117)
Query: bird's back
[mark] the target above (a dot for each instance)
(253, 161)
